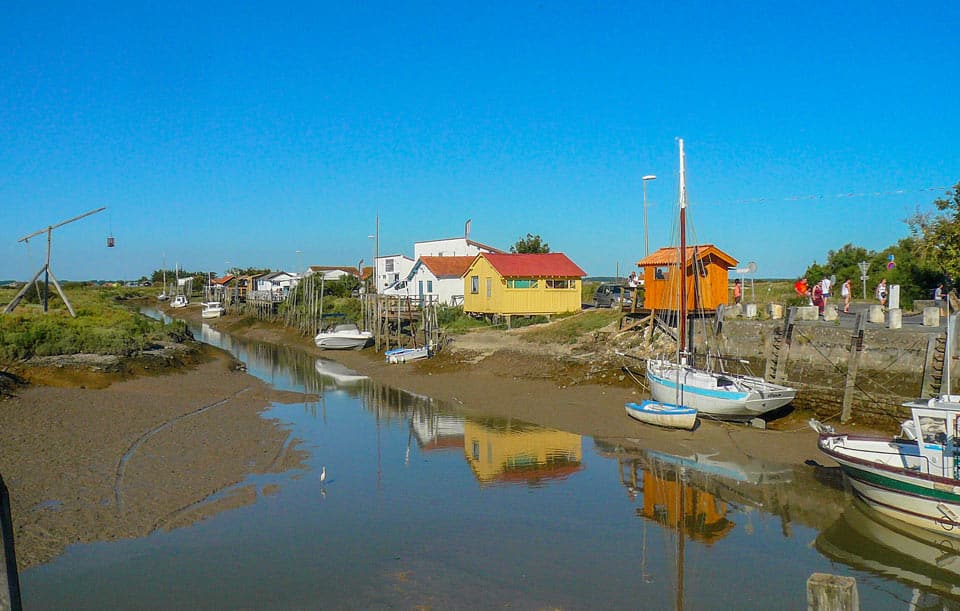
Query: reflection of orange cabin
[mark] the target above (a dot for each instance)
(704, 515)
(661, 278)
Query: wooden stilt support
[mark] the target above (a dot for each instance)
(853, 363)
(780, 350)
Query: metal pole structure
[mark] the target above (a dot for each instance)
(646, 231)
(864, 266)
(46, 271)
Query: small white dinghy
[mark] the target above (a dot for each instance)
(663, 414)
(403, 355)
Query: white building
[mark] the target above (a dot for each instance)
(391, 268)
(438, 279)
(332, 272)
(276, 282)
(451, 247)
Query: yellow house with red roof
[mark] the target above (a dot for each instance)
(522, 284)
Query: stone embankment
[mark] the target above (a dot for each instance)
(890, 371)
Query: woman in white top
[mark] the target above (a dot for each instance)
(882, 292)
(845, 293)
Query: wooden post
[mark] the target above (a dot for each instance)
(933, 367)
(832, 593)
(9, 578)
(777, 368)
(853, 363)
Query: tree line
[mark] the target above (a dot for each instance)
(918, 263)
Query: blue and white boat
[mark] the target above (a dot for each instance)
(663, 414)
(715, 393)
(721, 395)
(403, 355)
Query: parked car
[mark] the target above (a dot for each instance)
(611, 296)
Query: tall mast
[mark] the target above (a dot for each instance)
(682, 318)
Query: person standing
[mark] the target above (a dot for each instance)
(938, 297)
(846, 293)
(737, 291)
(817, 298)
(825, 286)
(882, 292)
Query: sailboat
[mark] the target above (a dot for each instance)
(163, 292)
(180, 300)
(679, 382)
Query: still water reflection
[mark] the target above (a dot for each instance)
(423, 505)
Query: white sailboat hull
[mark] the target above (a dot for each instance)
(724, 396)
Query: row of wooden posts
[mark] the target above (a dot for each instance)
(399, 321)
(396, 321)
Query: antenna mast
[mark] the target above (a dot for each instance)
(45, 270)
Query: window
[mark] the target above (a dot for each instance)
(430, 286)
(522, 283)
(388, 266)
(560, 284)
(474, 285)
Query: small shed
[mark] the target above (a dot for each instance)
(522, 284)
(706, 289)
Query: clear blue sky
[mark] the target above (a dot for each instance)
(243, 133)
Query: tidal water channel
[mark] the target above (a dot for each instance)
(425, 507)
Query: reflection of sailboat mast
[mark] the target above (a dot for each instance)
(681, 528)
(379, 471)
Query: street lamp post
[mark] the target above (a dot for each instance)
(864, 266)
(646, 232)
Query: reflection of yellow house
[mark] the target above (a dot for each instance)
(511, 452)
(522, 284)
(704, 514)
(705, 290)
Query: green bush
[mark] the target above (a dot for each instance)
(102, 326)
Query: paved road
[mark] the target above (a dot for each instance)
(910, 321)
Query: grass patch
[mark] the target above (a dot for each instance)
(103, 325)
(454, 322)
(568, 330)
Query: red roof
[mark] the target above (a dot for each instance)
(445, 267)
(224, 280)
(554, 265)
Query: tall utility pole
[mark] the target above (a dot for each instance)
(376, 252)
(45, 270)
(646, 231)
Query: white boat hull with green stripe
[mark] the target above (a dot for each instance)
(914, 477)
